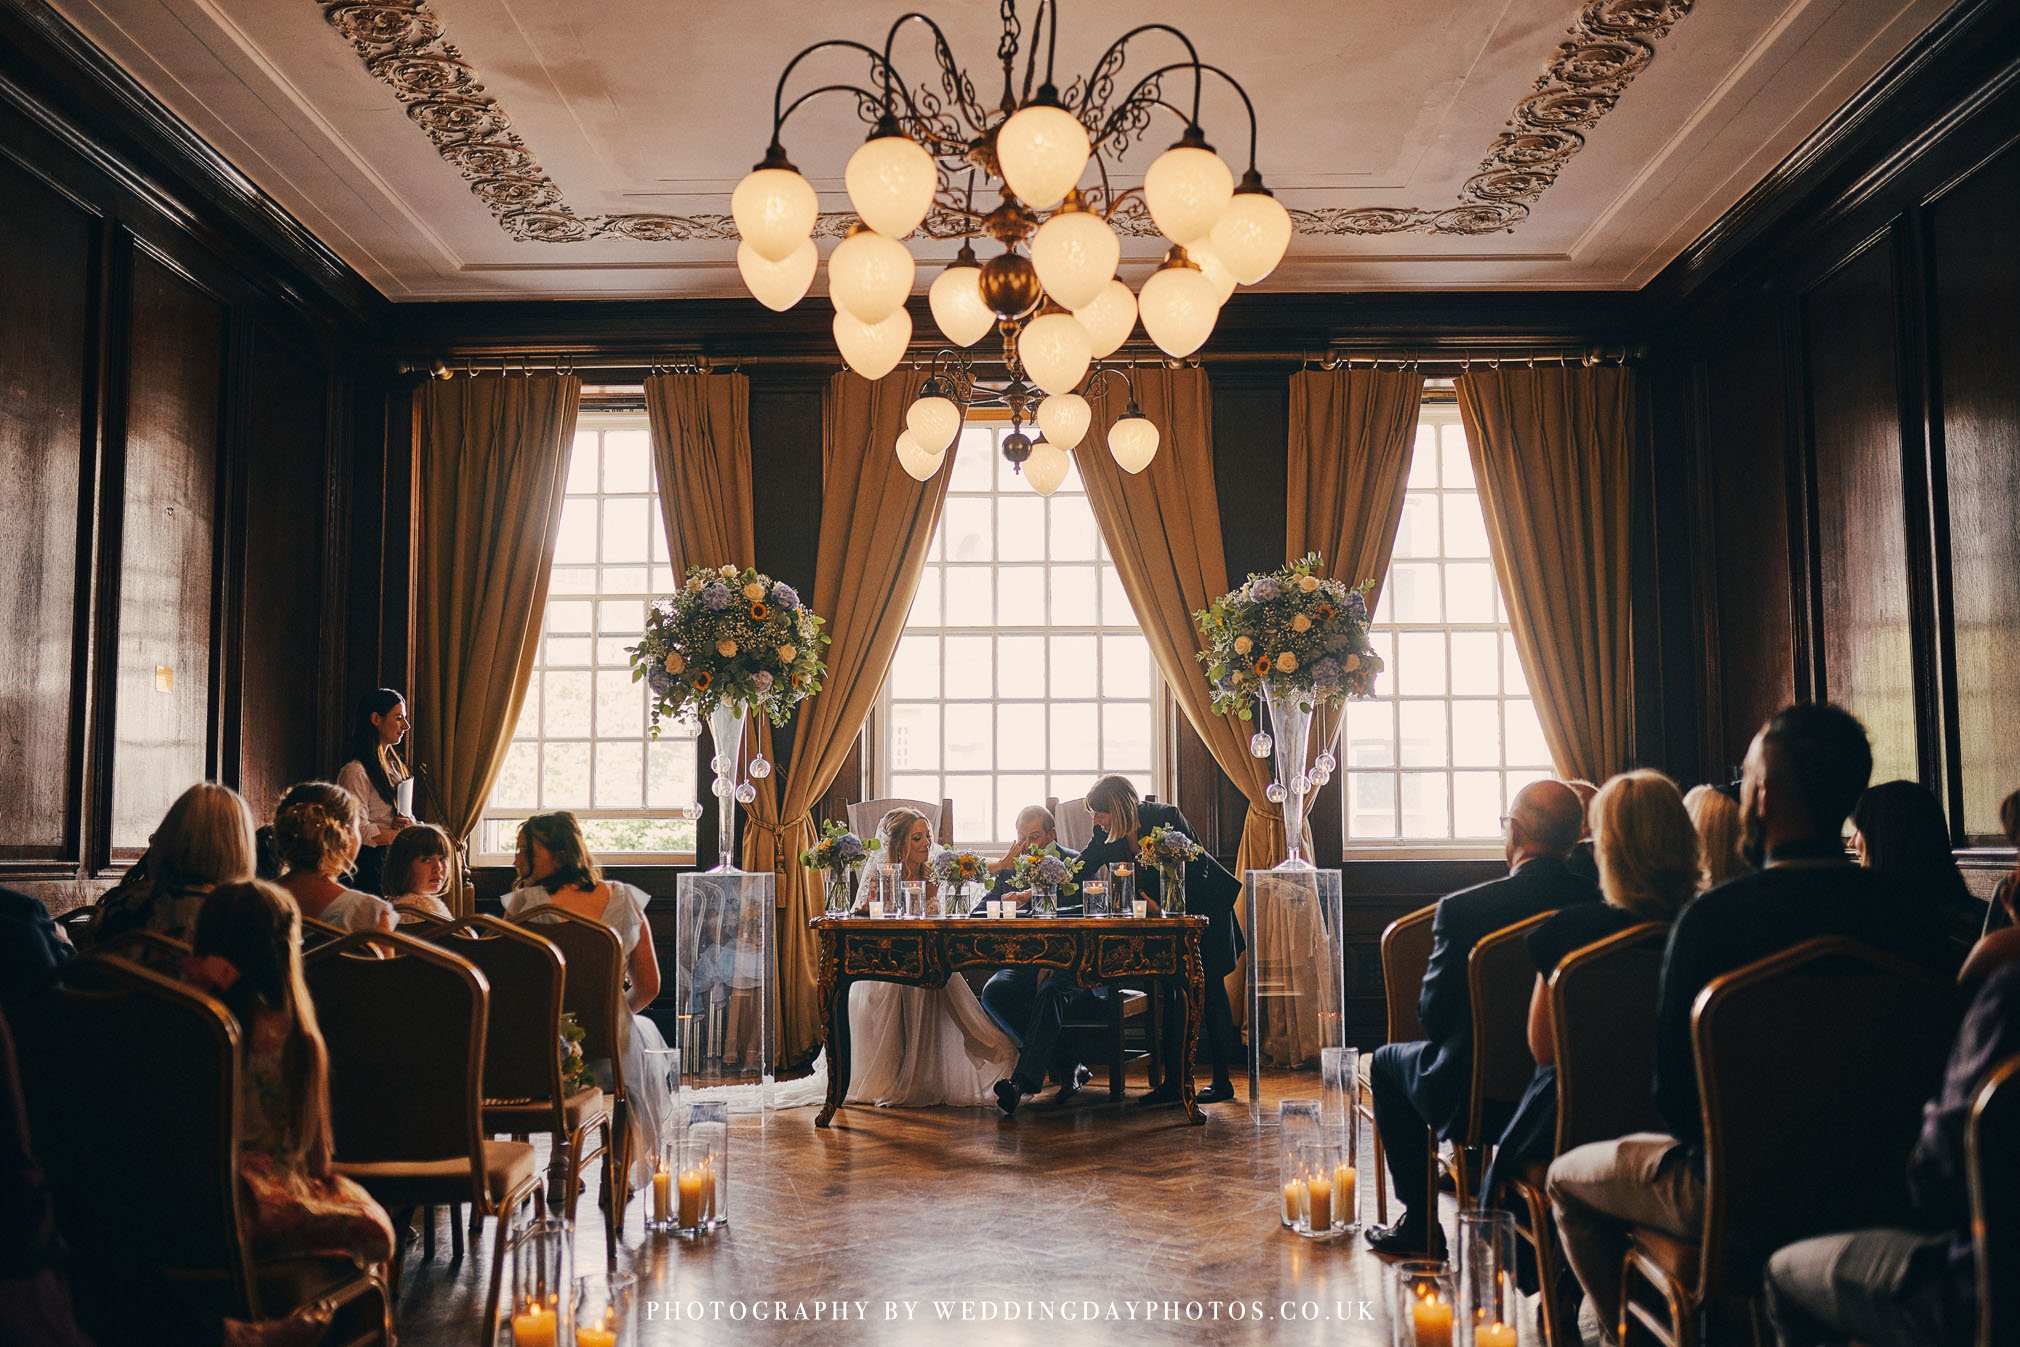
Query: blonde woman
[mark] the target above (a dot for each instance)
(1647, 853)
(1715, 816)
(205, 839)
(916, 1047)
(316, 831)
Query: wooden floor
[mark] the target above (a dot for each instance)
(917, 1219)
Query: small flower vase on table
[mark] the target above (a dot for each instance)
(1044, 901)
(1171, 889)
(1047, 873)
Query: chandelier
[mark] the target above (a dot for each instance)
(1051, 293)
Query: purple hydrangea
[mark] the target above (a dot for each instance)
(761, 680)
(786, 597)
(1263, 589)
(850, 847)
(1052, 871)
(1357, 606)
(659, 680)
(716, 597)
(1326, 672)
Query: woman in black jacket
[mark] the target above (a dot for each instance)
(1121, 821)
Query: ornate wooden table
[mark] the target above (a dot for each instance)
(925, 953)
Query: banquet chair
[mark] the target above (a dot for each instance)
(150, 949)
(142, 1149)
(1499, 976)
(867, 814)
(1106, 1025)
(317, 933)
(406, 1112)
(1992, 1166)
(1406, 957)
(77, 924)
(413, 921)
(1075, 824)
(1602, 1017)
(1831, 1023)
(523, 1093)
(593, 991)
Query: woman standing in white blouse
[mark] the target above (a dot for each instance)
(374, 774)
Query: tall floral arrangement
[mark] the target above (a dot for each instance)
(1294, 627)
(729, 635)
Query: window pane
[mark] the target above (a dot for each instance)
(971, 667)
(670, 767)
(627, 461)
(1115, 609)
(970, 745)
(968, 525)
(1125, 737)
(1369, 737)
(1469, 592)
(1125, 666)
(1020, 528)
(1526, 745)
(971, 596)
(1476, 804)
(1020, 665)
(1476, 734)
(916, 670)
(576, 540)
(1074, 595)
(1020, 735)
(1458, 457)
(572, 580)
(1426, 804)
(1465, 526)
(1076, 736)
(564, 776)
(926, 604)
(1013, 795)
(1513, 677)
(624, 530)
(620, 773)
(974, 800)
(1419, 668)
(1073, 668)
(1424, 457)
(620, 705)
(1411, 594)
(1423, 734)
(915, 736)
(582, 463)
(517, 785)
(565, 708)
(1074, 534)
(1417, 532)
(1475, 655)
(1020, 596)
(1371, 806)
(974, 460)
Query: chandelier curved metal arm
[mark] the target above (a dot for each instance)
(1197, 67)
(1100, 78)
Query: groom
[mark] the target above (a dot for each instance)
(1033, 1012)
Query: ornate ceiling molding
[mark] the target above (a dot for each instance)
(403, 46)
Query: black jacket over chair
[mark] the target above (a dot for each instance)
(1210, 890)
(1445, 1005)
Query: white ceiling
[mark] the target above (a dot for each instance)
(639, 107)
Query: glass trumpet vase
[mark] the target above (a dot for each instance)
(725, 727)
(1290, 711)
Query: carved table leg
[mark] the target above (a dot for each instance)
(1195, 1015)
(834, 998)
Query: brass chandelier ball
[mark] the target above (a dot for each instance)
(1010, 285)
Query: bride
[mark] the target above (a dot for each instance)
(919, 1046)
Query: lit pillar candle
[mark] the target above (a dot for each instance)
(534, 1327)
(596, 1335)
(1496, 1334)
(690, 1198)
(662, 1194)
(1344, 1182)
(1431, 1316)
(1294, 1200)
(876, 908)
(1319, 1193)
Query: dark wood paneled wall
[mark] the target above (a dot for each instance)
(168, 576)
(1842, 382)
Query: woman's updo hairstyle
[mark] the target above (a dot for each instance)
(316, 828)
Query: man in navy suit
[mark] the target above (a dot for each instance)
(1424, 1085)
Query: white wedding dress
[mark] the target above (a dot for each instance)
(919, 1046)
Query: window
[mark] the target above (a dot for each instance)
(1022, 672)
(1453, 735)
(581, 741)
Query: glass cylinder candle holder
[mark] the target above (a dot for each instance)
(1329, 1189)
(1489, 1303)
(701, 1185)
(912, 898)
(1340, 1089)
(659, 1211)
(1425, 1304)
(540, 1258)
(1094, 898)
(970, 901)
(606, 1310)
(1297, 1127)
(663, 1067)
(1121, 877)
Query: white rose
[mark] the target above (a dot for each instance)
(728, 572)
(1308, 583)
(753, 591)
(725, 647)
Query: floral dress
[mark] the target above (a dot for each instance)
(291, 1211)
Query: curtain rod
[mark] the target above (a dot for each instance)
(1369, 355)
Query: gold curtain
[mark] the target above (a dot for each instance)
(876, 523)
(1551, 449)
(493, 469)
(701, 452)
(1162, 527)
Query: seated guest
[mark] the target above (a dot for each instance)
(2001, 942)
(31, 944)
(1008, 995)
(1896, 1287)
(417, 871)
(1036, 830)
(554, 867)
(204, 840)
(1898, 829)
(1423, 1085)
(1804, 772)
(316, 833)
(1714, 812)
(373, 774)
(1121, 822)
(1581, 860)
(1648, 869)
(248, 954)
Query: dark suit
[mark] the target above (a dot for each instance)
(1426, 1083)
(1011, 994)
(1805, 892)
(1210, 892)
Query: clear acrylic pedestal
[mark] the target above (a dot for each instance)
(1296, 973)
(725, 980)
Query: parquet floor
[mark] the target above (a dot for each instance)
(1064, 1227)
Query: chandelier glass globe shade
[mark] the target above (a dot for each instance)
(774, 210)
(1187, 187)
(1179, 309)
(1109, 318)
(933, 423)
(1055, 351)
(873, 349)
(1251, 235)
(778, 285)
(1064, 417)
(1042, 151)
(1075, 252)
(1218, 276)
(1046, 468)
(1133, 442)
(915, 459)
(958, 310)
(890, 181)
(869, 275)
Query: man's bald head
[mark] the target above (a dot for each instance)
(1545, 820)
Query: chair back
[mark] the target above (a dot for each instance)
(316, 933)
(405, 1025)
(150, 949)
(1075, 824)
(1500, 976)
(413, 921)
(593, 991)
(867, 814)
(1406, 957)
(78, 924)
(1602, 1021)
(522, 1059)
(132, 1082)
(1828, 1027)
(1992, 1159)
